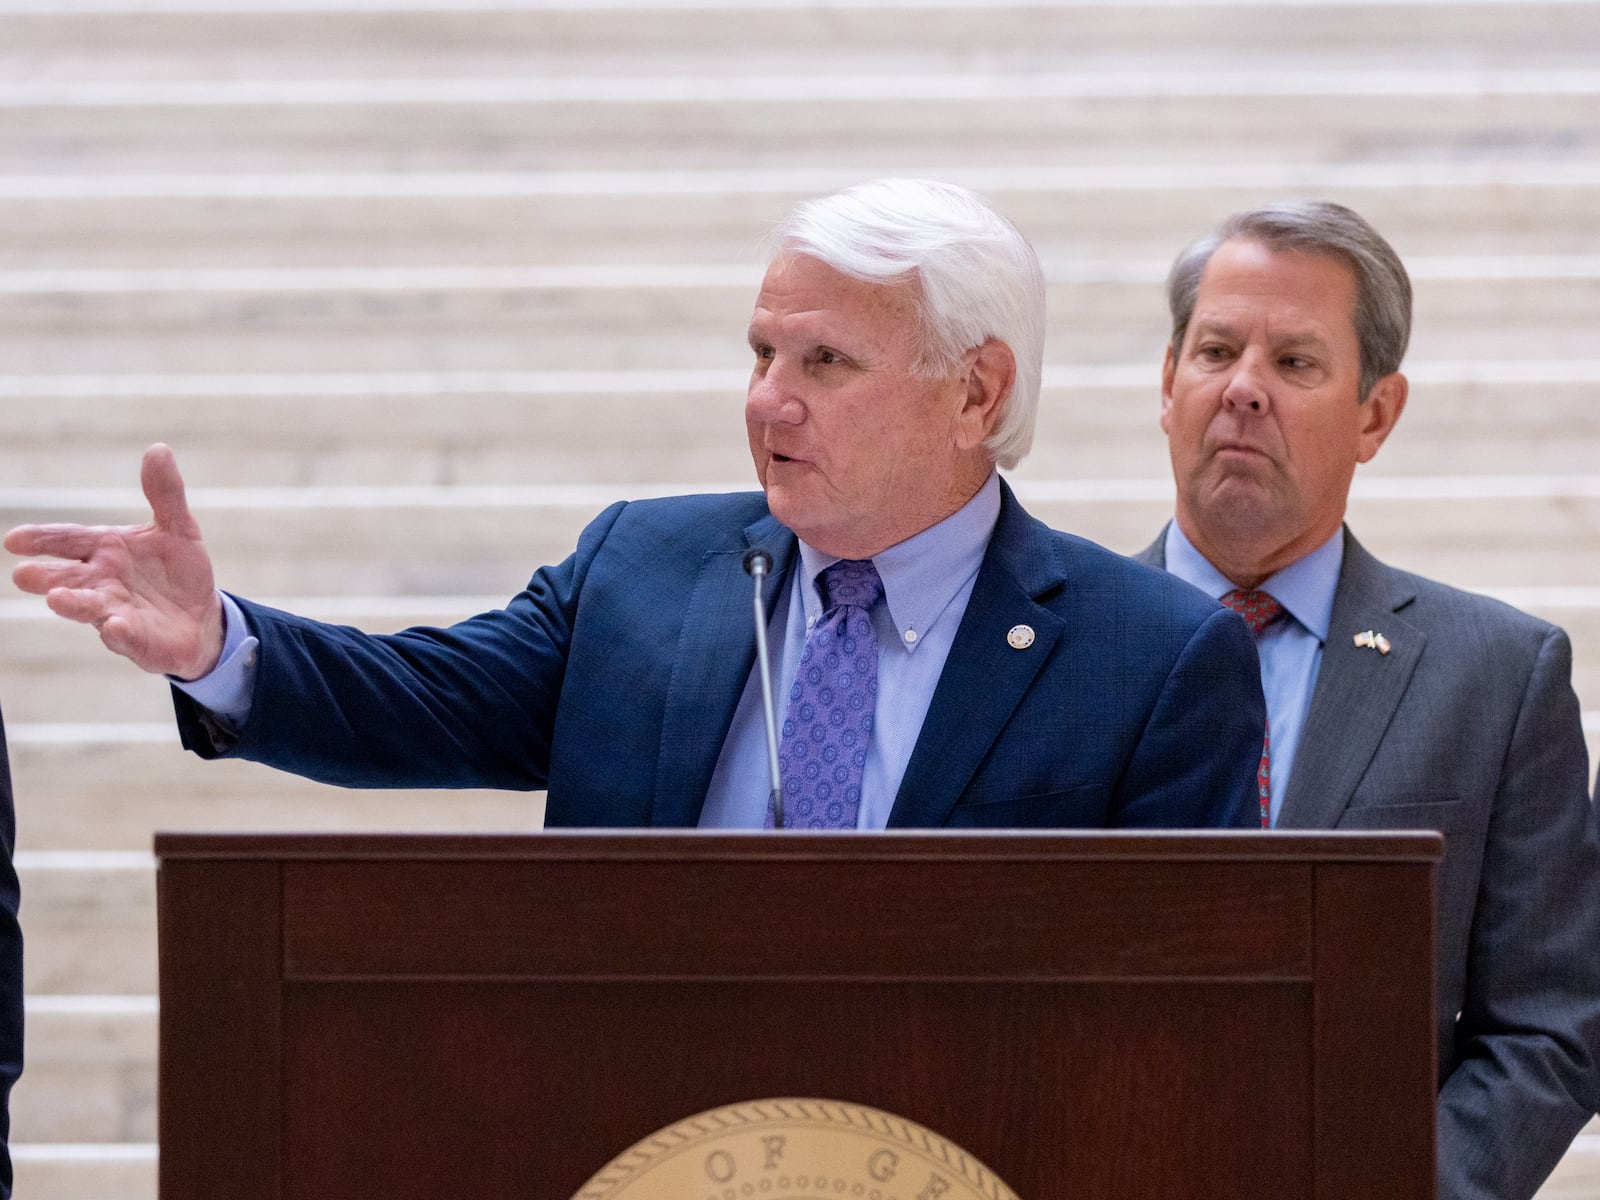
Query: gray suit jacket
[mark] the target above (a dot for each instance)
(1470, 726)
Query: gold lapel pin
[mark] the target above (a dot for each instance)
(1368, 640)
(1019, 637)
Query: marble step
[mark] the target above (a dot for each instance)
(242, 41)
(1577, 1176)
(574, 171)
(89, 929)
(90, 1075)
(870, 124)
(489, 428)
(57, 672)
(1470, 531)
(111, 788)
(79, 1171)
(90, 789)
(692, 317)
(461, 220)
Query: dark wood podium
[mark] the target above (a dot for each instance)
(1094, 1016)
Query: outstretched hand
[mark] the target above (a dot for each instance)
(148, 589)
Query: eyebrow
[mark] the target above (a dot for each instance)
(1212, 326)
(1302, 341)
(1292, 341)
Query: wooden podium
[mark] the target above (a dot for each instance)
(1095, 1016)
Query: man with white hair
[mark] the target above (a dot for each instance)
(942, 658)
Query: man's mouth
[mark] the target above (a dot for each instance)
(1238, 448)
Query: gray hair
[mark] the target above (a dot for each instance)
(977, 278)
(1382, 315)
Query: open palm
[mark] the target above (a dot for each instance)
(147, 588)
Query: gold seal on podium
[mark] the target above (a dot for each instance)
(795, 1150)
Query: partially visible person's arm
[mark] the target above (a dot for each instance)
(10, 968)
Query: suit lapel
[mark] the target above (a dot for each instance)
(983, 679)
(1357, 692)
(716, 650)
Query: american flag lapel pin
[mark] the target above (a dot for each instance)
(1369, 640)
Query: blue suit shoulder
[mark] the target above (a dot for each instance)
(688, 521)
(651, 543)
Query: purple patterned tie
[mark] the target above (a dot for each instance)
(823, 747)
(1259, 609)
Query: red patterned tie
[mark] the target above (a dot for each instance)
(1259, 610)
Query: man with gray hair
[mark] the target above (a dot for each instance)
(943, 659)
(1393, 702)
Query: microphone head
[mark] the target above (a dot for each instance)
(757, 562)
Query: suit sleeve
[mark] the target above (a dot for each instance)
(10, 967)
(1528, 1037)
(469, 706)
(1196, 760)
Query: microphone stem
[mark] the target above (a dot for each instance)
(759, 571)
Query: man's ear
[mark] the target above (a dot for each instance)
(1169, 366)
(1381, 412)
(991, 373)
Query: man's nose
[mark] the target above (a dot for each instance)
(772, 396)
(1247, 385)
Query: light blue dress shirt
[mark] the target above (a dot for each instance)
(927, 581)
(1291, 649)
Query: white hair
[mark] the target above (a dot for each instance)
(977, 278)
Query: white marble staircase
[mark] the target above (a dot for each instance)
(416, 286)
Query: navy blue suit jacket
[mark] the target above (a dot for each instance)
(613, 678)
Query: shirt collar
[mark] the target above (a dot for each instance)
(924, 573)
(1305, 587)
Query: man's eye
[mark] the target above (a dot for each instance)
(1214, 353)
(763, 353)
(827, 357)
(1294, 362)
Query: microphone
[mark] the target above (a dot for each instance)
(756, 565)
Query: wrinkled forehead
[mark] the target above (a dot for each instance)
(803, 289)
(1296, 293)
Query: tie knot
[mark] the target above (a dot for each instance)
(1258, 608)
(852, 582)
